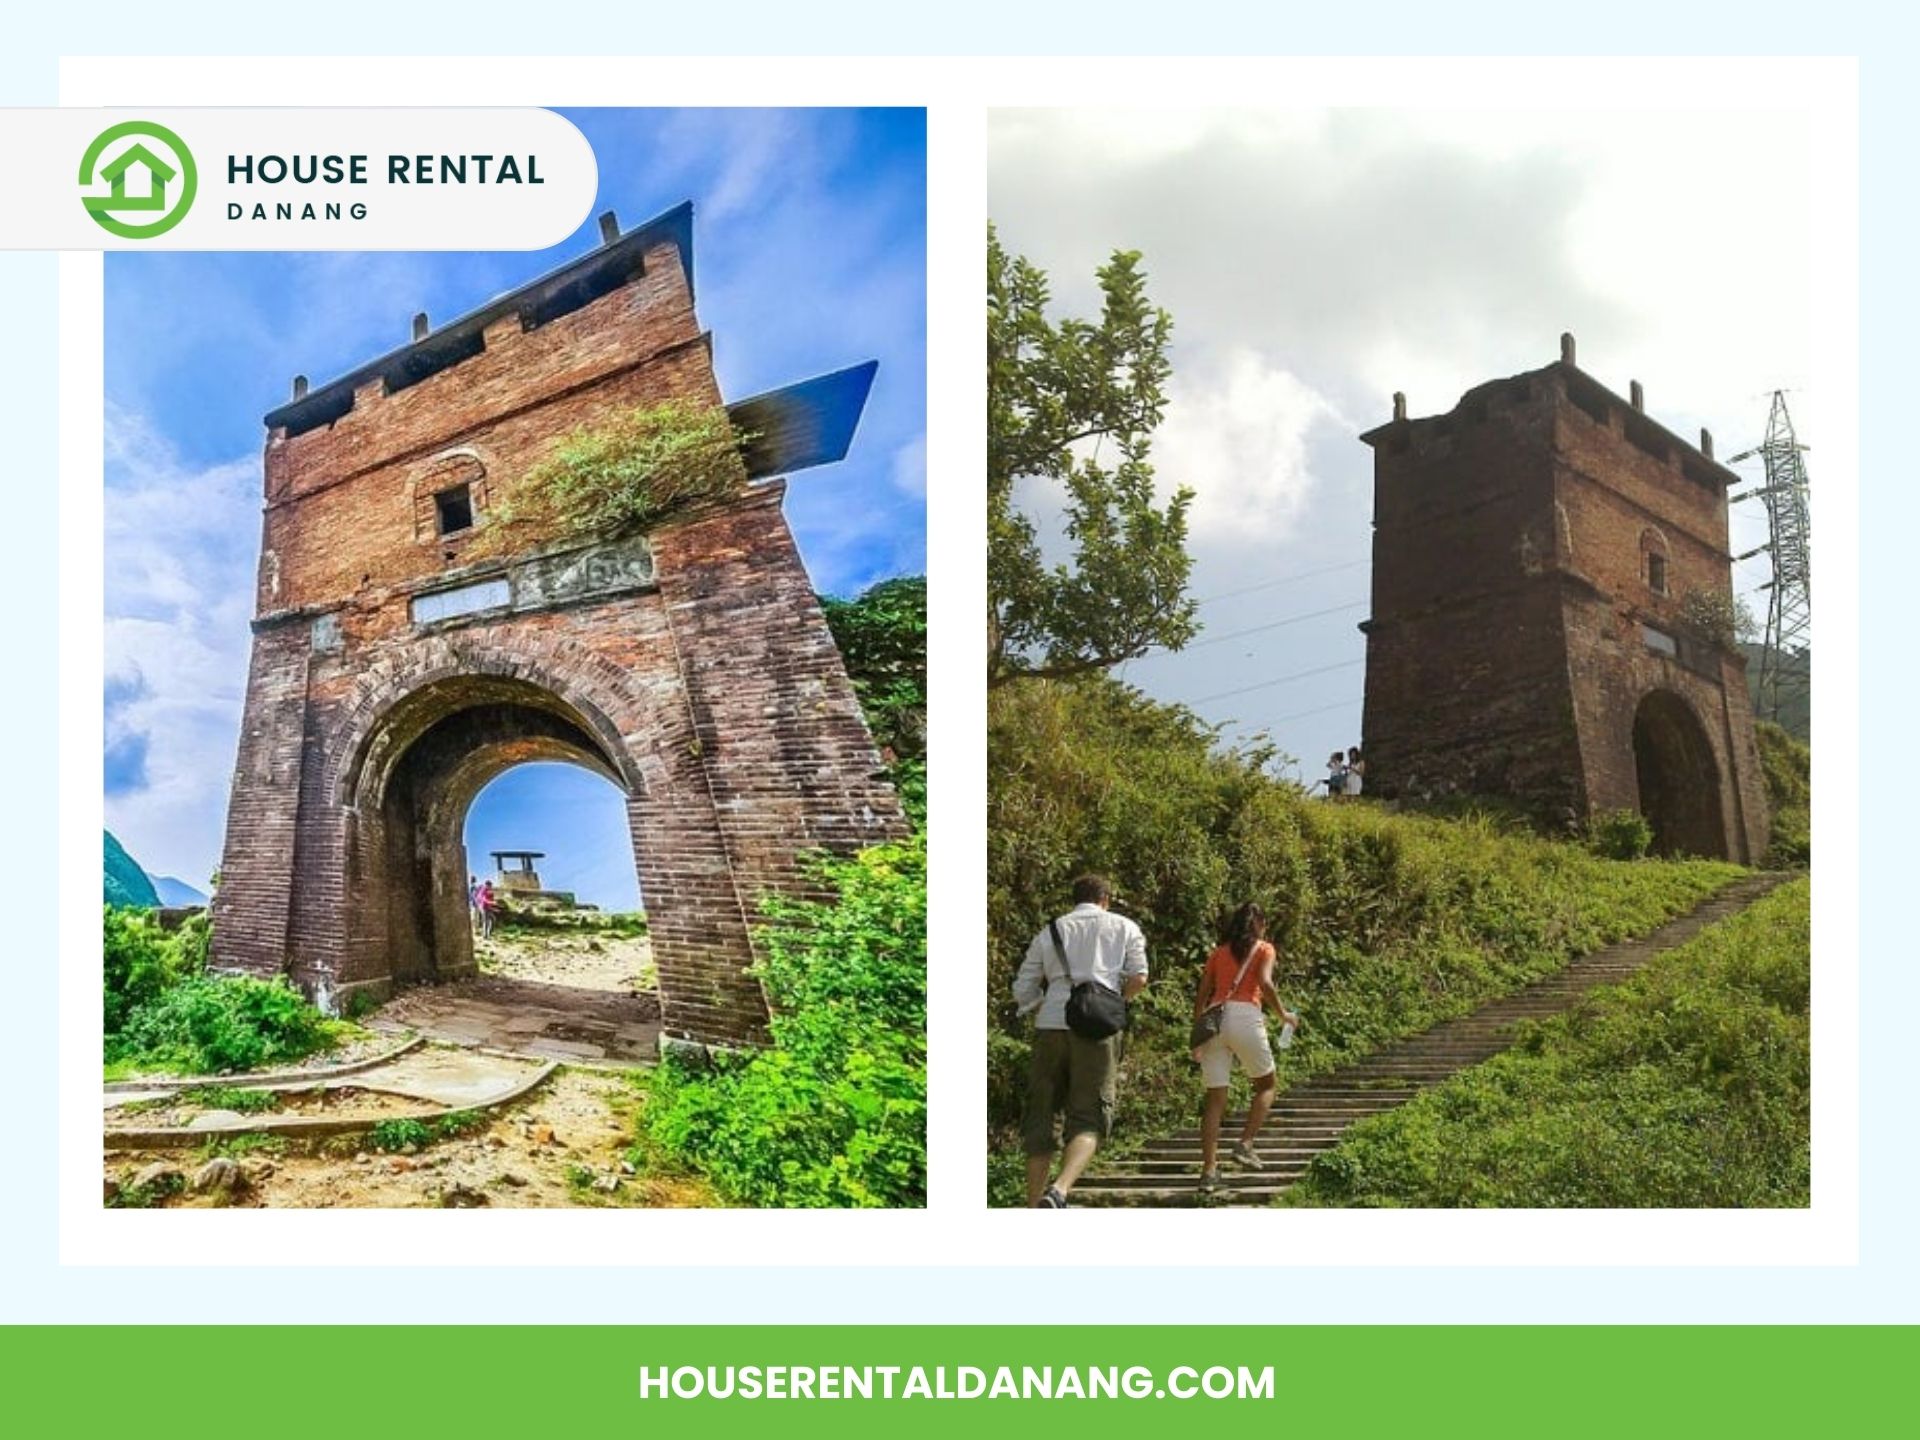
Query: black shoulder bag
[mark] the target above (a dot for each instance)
(1094, 1011)
(1207, 1025)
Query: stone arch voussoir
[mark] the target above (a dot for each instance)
(598, 693)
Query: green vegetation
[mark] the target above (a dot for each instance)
(883, 639)
(162, 1188)
(232, 1147)
(1384, 923)
(409, 1133)
(1787, 766)
(1686, 1086)
(1061, 398)
(232, 1097)
(519, 915)
(629, 473)
(1620, 834)
(163, 1013)
(834, 1113)
(126, 882)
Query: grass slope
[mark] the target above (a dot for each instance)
(1385, 923)
(1685, 1087)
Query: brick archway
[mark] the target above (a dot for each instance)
(1678, 777)
(405, 651)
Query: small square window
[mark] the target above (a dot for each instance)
(1657, 573)
(454, 509)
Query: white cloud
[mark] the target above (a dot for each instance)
(910, 468)
(1236, 429)
(180, 543)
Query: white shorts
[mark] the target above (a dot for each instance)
(1242, 1037)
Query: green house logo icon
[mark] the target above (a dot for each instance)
(149, 183)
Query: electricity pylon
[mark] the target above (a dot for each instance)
(1785, 669)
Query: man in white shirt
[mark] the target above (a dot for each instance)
(1071, 1072)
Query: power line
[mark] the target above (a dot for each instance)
(1275, 624)
(1281, 680)
(1317, 710)
(1285, 580)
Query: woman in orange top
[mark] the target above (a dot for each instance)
(1239, 978)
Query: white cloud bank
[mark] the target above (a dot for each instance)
(180, 544)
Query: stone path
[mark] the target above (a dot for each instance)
(530, 1017)
(423, 1082)
(1310, 1117)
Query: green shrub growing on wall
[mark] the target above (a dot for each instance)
(834, 1112)
(628, 473)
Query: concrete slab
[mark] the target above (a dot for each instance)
(534, 1018)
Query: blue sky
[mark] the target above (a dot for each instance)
(810, 254)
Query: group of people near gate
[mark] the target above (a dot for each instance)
(483, 903)
(1078, 975)
(1345, 774)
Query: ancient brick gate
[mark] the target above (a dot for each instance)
(1551, 595)
(399, 665)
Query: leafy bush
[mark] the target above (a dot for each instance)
(1787, 766)
(139, 961)
(1686, 1086)
(883, 639)
(834, 1113)
(161, 1011)
(1619, 834)
(628, 473)
(1385, 923)
(402, 1133)
(218, 1023)
(407, 1132)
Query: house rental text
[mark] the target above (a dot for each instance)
(400, 169)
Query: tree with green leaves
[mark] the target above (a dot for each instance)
(1075, 403)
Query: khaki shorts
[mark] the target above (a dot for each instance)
(1242, 1037)
(1073, 1074)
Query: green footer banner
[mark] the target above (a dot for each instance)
(956, 1380)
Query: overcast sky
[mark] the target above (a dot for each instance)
(1316, 262)
(810, 254)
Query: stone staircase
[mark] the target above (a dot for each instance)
(1310, 1117)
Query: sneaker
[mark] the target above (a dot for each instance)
(1209, 1181)
(1052, 1200)
(1243, 1155)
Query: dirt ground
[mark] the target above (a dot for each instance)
(566, 1144)
(588, 960)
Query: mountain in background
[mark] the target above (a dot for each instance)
(1795, 718)
(177, 892)
(127, 883)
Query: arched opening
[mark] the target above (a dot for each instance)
(1678, 777)
(416, 790)
(554, 844)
